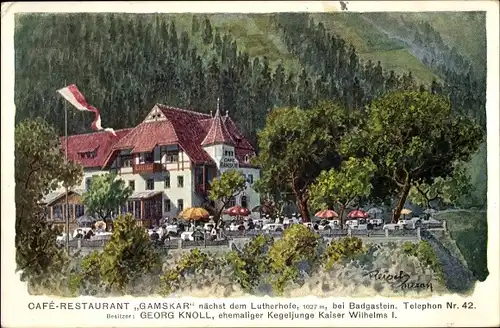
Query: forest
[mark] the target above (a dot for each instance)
(125, 63)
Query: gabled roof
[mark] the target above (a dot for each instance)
(218, 133)
(168, 126)
(50, 198)
(191, 131)
(145, 136)
(99, 143)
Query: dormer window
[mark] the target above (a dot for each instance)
(88, 154)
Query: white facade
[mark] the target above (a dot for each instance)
(178, 183)
(225, 159)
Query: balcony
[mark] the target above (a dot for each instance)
(201, 189)
(147, 168)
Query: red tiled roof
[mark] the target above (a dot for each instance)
(240, 140)
(147, 135)
(191, 129)
(218, 133)
(187, 128)
(101, 142)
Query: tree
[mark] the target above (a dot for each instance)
(40, 168)
(341, 187)
(447, 191)
(297, 247)
(106, 194)
(224, 188)
(413, 138)
(128, 255)
(296, 145)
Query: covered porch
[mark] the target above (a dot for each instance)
(145, 206)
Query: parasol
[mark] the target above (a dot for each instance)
(327, 214)
(237, 211)
(430, 211)
(100, 224)
(357, 214)
(84, 219)
(194, 213)
(405, 211)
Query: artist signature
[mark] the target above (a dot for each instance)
(397, 280)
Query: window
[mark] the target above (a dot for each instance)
(250, 178)
(149, 157)
(131, 184)
(150, 184)
(123, 209)
(171, 156)
(79, 210)
(88, 154)
(167, 182)
(244, 202)
(180, 181)
(137, 209)
(88, 183)
(126, 161)
(199, 176)
(57, 212)
(247, 159)
(180, 205)
(130, 206)
(167, 205)
(231, 202)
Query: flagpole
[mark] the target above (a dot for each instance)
(66, 161)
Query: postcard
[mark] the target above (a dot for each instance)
(230, 164)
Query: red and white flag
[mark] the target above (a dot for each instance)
(75, 98)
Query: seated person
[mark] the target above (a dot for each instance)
(154, 236)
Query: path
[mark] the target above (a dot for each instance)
(457, 278)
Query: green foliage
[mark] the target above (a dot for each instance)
(448, 191)
(127, 255)
(40, 168)
(191, 263)
(105, 195)
(297, 144)
(298, 245)
(426, 255)
(340, 187)
(413, 138)
(343, 249)
(252, 263)
(87, 280)
(222, 189)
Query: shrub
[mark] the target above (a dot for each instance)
(194, 262)
(298, 246)
(128, 255)
(252, 262)
(342, 249)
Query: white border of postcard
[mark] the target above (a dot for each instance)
(15, 299)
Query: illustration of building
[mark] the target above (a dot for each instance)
(168, 160)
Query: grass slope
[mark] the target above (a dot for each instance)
(469, 231)
(374, 45)
(455, 27)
